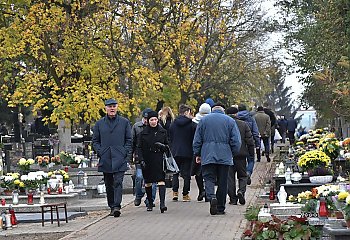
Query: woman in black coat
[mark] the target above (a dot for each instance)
(153, 142)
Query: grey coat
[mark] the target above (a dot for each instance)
(112, 142)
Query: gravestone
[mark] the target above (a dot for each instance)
(64, 135)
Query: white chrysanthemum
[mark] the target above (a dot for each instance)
(22, 161)
(347, 200)
(24, 177)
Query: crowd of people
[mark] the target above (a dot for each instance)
(216, 145)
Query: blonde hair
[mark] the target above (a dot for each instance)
(164, 114)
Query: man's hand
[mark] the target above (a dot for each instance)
(198, 159)
(143, 164)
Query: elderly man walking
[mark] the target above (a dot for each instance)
(112, 142)
(264, 125)
(216, 141)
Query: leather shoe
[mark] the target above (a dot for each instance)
(116, 212)
(233, 201)
(112, 212)
(213, 206)
(137, 202)
(241, 198)
(201, 196)
(249, 180)
(221, 213)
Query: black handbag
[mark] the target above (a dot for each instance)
(169, 164)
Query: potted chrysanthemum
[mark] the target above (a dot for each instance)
(317, 164)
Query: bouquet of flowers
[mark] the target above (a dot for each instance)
(61, 172)
(43, 160)
(330, 146)
(34, 179)
(24, 164)
(316, 161)
(11, 181)
(56, 160)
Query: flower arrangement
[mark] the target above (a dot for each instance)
(34, 179)
(11, 181)
(315, 160)
(330, 146)
(24, 164)
(61, 172)
(56, 160)
(346, 208)
(43, 160)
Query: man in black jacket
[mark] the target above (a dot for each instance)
(240, 161)
(181, 137)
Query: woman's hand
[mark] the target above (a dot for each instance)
(161, 146)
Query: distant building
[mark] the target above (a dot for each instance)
(308, 119)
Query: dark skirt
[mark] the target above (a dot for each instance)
(154, 170)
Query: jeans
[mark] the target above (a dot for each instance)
(139, 189)
(184, 165)
(239, 167)
(114, 188)
(216, 173)
(250, 166)
(266, 141)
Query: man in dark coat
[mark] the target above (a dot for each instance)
(181, 134)
(216, 141)
(291, 126)
(240, 161)
(112, 142)
(246, 116)
(282, 128)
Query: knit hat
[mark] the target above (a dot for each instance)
(152, 114)
(232, 110)
(210, 102)
(241, 107)
(145, 112)
(218, 104)
(204, 108)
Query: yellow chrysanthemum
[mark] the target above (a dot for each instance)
(343, 195)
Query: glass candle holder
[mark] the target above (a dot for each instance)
(15, 199)
(30, 198)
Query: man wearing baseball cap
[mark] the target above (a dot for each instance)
(112, 142)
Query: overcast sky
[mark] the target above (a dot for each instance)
(292, 79)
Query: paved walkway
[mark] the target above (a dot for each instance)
(183, 220)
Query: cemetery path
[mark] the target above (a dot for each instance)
(183, 220)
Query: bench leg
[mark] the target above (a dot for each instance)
(42, 217)
(51, 215)
(58, 216)
(65, 212)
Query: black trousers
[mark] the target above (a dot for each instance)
(291, 137)
(239, 168)
(114, 188)
(185, 165)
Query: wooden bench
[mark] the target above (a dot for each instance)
(50, 207)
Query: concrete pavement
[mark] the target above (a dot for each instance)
(183, 220)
